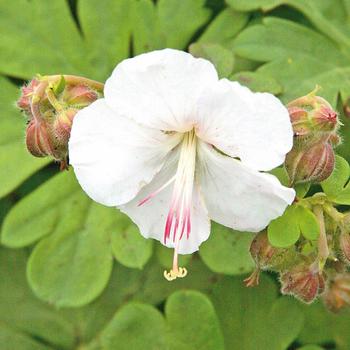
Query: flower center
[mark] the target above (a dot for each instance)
(178, 222)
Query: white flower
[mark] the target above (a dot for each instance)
(173, 146)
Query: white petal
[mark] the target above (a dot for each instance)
(151, 216)
(160, 89)
(252, 126)
(113, 157)
(237, 196)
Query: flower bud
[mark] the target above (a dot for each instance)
(27, 91)
(63, 124)
(303, 281)
(266, 257)
(80, 95)
(262, 251)
(51, 104)
(314, 164)
(38, 140)
(337, 294)
(313, 118)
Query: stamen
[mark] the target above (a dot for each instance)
(179, 216)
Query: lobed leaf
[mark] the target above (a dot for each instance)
(227, 251)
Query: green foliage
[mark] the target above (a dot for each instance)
(267, 323)
(91, 260)
(286, 230)
(336, 187)
(226, 251)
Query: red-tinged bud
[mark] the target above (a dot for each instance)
(262, 251)
(50, 103)
(313, 164)
(80, 95)
(303, 281)
(63, 124)
(27, 92)
(38, 139)
(313, 119)
(266, 257)
(344, 243)
(337, 293)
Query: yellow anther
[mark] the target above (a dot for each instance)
(174, 274)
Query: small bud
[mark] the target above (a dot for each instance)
(80, 95)
(262, 251)
(344, 243)
(303, 281)
(313, 119)
(27, 92)
(51, 103)
(63, 124)
(266, 257)
(313, 164)
(337, 293)
(38, 139)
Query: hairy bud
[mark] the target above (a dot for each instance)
(313, 119)
(337, 294)
(27, 92)
(314, 164)
(315, 126)
(303, 281)
(50, 104)
(63, 124)
(267, 257)
(38, 140)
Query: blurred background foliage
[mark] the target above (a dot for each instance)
(76, 275)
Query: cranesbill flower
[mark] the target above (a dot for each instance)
(174, 147)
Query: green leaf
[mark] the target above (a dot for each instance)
(221, 58)
(73, 265)
(169, 23)
(11, 339)
(297, 219)
(138, 324)
(225, 26)
(310, 347)
(41, 211)
(293, 52)
(106, 32)
(134, 326)
(256, 318)
(257, 81)
(24, 320)
(322, 326)
(307, 222)
(12, 146)
(333, 186)
(284, 231)
(328, 16)
(130, 248)
(227, 251)
(179, 20)
(201, 328)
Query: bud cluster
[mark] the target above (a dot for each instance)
(50, 103)
(315, 126)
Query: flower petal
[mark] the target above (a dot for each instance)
(160, 89)
(113, 157)
(151, 216)
(237, 196)
(252, 126)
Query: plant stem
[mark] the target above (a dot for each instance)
(323, 250)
